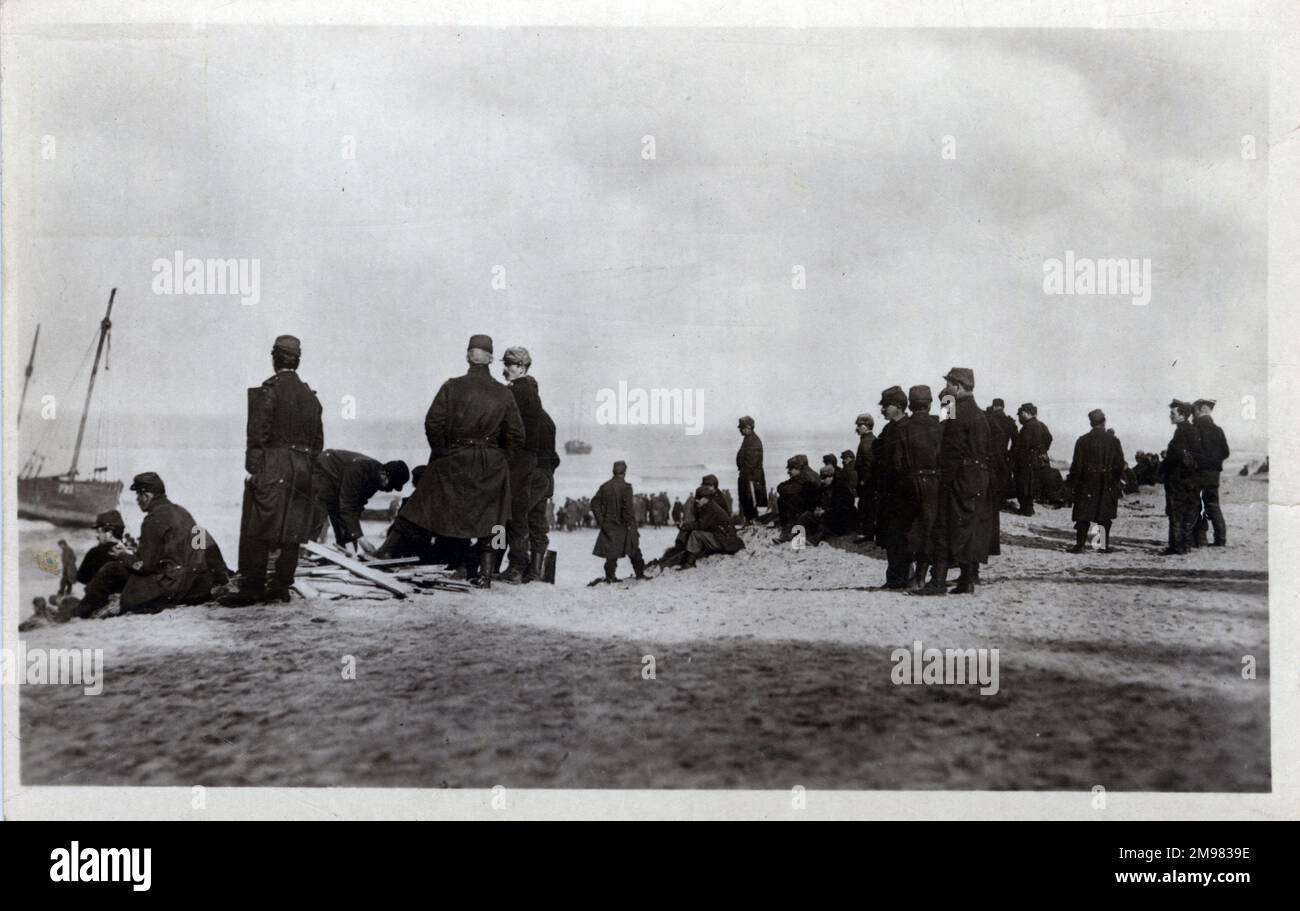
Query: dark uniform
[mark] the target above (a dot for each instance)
(1028, 453)
(751, 482)
(1096, 473)
(343, 483)
(169, 567)
(794, 497)
(961, 530)
(1214, 449)
(525, 487)
(891, 515)
(1002, 437)
(471, 425)
(711, 531)
(541, 489)
(866, 483)
(68, 577)
(916, 459)
(616, 518)
(1180, 472)
(285, 435)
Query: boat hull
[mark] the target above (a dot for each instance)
(68, 503)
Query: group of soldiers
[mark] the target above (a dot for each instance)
(929, 492)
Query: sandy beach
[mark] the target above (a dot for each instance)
(772, 668)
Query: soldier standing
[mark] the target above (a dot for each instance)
(891, 518)
(1214, 449)
(866, 485)
(917, 462)
(1095, 475)
(472, 426)
(960, 534)
(68, 577)
(751, 482)
(532, 472)
(285, 435)
(1179, 470)
(616, 518)
(1029, 451)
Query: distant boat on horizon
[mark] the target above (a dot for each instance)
(67, 499)
(577, 447)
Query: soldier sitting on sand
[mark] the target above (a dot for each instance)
(170, 567)
(711, 532)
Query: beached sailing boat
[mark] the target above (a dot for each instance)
(67, 499)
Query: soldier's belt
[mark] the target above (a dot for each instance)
(464, 442)
(924, 472)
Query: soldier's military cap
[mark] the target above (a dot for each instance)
(1199, 402)
(516, 355)
(920, 394)
(149, 482)
(866, 419)
(702, 492)
(802, 460)
(998, 403)
(847, 454)
(1097, 416)
(1028, 408)
(828, 459)
(398, 474)
(110, 519)
(894, 395)
(711, 480)
(792, 462)
(1184, 408)
(620, 467)
(288, 344)
(746, 421)
(963, 375)
(481, 341)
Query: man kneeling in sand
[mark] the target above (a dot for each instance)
(170, 567)
(711, 531)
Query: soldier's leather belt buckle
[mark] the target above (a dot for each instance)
(475, 441)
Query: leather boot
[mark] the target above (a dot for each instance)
(917, 582)
(537, 569)
(638, 567)
(938, 584)
(485, 562)
(965, 582)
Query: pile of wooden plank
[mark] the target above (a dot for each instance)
(331, 574)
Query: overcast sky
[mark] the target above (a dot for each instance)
(524, 149)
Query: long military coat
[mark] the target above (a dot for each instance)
(1180, 469)
(616, 517)
(916, 461)
(891, 516)
(961, 530)
(749, 466)
(471, 426)
(1095, 476)
(285, 435)
(167, 563)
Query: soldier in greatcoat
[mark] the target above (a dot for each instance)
(616, 518)
(916, 461)
(751, 482)
(1096, 476)
(1029, 450)
(866, 484)
(471, 426)
(285, 434)
(891, 519)
(960, 535)
(1180, 473)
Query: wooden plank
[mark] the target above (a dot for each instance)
(305, 588)
(373, 564)
(383, 580)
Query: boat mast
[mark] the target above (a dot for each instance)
(27, 377)
(104, 326)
